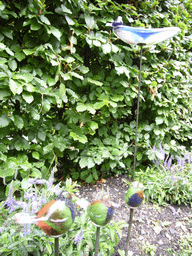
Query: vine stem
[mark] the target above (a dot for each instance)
(129, 231)
(57, 246)
(137, 117)
(97, 241)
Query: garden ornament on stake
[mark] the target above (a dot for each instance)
(55, 218)
(134, 198)
(142, 37)
(100, 213)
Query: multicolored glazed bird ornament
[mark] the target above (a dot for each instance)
(134, 195)
(101, 210)
(55, 218)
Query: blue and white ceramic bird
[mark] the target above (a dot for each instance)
(140, 35)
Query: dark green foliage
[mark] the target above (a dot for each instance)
(69, 86)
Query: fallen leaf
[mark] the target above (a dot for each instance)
(166, 223)
(157, 229)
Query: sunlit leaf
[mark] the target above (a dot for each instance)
(4, 121)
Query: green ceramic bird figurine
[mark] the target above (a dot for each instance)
(55, 218)
(101, 210)
(134, 195)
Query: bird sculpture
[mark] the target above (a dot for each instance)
(101, 211)
(55, 218)
(117, 22)
(134, 195)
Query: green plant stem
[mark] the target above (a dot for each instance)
(57, 246)
(97, 241)
(129, 231)
(137, 117)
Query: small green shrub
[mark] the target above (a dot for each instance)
(166, 182)
(186, 245)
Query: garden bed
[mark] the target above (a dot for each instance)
(156, 230)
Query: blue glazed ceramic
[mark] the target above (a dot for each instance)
(142, 36)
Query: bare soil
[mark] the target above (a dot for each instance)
(155, 228)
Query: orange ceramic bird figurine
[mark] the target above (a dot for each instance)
(55, 218)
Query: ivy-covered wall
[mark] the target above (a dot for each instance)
(68, 87)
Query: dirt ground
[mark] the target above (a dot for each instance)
(155, 228)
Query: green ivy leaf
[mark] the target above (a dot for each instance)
(48, 148)
(69, 59)
(28, 51)
(62, 89)
(90, 22)
(83, 69)
(5, 94)
(35, 25)
(28, 97)
(41, 135)
(84, 174)
(94, 82)
(139, 156)
(12, 64)
(55, 32)
(81, 107)
(65, 9)
(35, 114)
(94, 125)
(99, 104)
(35, 155)
(44, 20)
(94, 172)
(65, 76)
(69, 20)
(21, 144)
(106, 48)
(18, 121)
(89, 179)
(83, 162)
(19, 56)
(159, 120)
(90, 163)
(4, 121)
(8, 33)
(77, 75)
(6, 172)
(91, 109)
(80, 138)
(3, 61)
(46, 105)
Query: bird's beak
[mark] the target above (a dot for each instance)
(108, 24)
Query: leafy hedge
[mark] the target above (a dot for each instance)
(69, 86)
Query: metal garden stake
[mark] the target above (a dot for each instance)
(142, 37)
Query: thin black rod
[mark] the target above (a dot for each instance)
(57, 246)
(137, 117)
(97, 241)
(129, 231)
